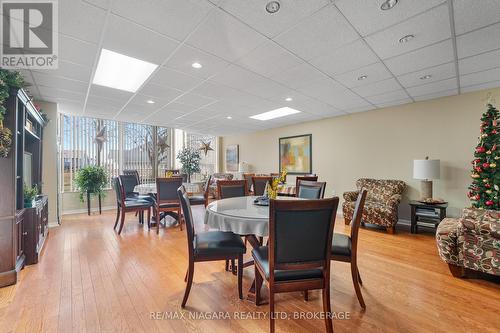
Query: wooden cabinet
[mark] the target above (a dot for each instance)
(22, 230)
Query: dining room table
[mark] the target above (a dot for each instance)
(244, 217)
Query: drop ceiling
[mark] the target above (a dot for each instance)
(313, 51)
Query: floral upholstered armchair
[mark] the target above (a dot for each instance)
(212, 192)
(471, 242)
(381, 205)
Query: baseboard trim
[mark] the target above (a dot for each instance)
(84, 210)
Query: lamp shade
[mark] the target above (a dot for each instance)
(426, 169)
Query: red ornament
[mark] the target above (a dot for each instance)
(486, 165)
(494, 132)
(480, 149)
(487, 185)
(478, 169)
(489, 203)
(477, 197)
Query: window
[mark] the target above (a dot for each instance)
(208, 163)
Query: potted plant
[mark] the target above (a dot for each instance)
(91, 180)
(190, 159)
(30, 194)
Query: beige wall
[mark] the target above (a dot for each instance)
(49, 159)
(71, 202)
(383, 144)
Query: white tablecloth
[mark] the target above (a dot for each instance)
(239, 215)
(150, 188)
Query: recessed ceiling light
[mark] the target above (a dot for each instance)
(150, 101)
(196, 65)
(272, 7)
(281, 112)
(229, 117)
(288, 99)
(110, 71)
(425, 77)
(406, 38)
(362, 77)
(388, 4)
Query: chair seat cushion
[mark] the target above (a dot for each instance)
(197, 200)
(218, 243)
(138, 203)
(260, 256)
(169, 205)
(341, 245)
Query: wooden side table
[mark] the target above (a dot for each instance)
(426, 215)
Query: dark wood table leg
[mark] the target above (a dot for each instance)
(255, 243)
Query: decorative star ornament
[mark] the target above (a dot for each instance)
(162, 143)
(205, 146)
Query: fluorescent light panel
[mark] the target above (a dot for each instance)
(281, 112)
(118, 71)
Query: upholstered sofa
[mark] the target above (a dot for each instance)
(471, 242)
(381, 205)
(212, 192)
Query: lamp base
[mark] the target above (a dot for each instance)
(426, 189)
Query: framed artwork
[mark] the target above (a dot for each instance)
(296, 154)
(232, 158)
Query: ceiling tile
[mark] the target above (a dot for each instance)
(429, 56)
(367, 17)
(254, 13)
(431, 88)
(318, 34)
(437, 73)
(269, 59)
(116, 94)
(185, 56)
(156, 91)
(363, 108)
(470, 15)
(225, 37)
(385, 98)
(69, 70)
(166, 77)
(489, 85)
(480, 77)
(374, 72)
(479, 41)
(345, 59)
(439, 94)
(378, 88)
(194, 100)
(299, 76)
(170, 17)
(394, 103)
(87, 25)
(70, 108)
(479, 62)
(43, 79)
(76, 51)
(142, 101)
(104, 102)
(130, 39)
(428, 28)
(55, 93)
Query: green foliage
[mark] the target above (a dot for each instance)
(484, 189)
(91, 179)
(30, 193)
(8, 80)
(190, 159)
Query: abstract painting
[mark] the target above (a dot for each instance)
(232, 158)
(296, 154)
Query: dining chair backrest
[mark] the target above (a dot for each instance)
(188, 215)
(300, 233)
(133, 173)
(166, 189)
(206, 187)
(311, 190)
(356, 219)
(232, 188)
(248, 178)
(128, 182)
(259, 184)
(299, 178)
(277, 175)
(115, 182)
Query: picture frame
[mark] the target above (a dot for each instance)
(295, 154)
(232, 158)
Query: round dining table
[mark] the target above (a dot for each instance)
(243, 217)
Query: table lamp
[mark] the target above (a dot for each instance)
(426, 170)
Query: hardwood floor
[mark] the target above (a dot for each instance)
(92, 280)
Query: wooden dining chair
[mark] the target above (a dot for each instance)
(259, 184)
(133, 172)
(201, 199)
(298, 255)
(231, 188)
(125, 205)
(345, 248)
(311, 190)
(167, 199)
(309, 178)
(209, 246)
(248, 178)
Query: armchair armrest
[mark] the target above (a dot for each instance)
(486, 225)
(394, 200)
(350, 195)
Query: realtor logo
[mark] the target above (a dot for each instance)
(29, 37)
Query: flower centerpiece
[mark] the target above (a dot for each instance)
(272, 189)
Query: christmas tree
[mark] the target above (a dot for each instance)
(484, 190)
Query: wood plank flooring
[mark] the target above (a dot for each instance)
(92, 280)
